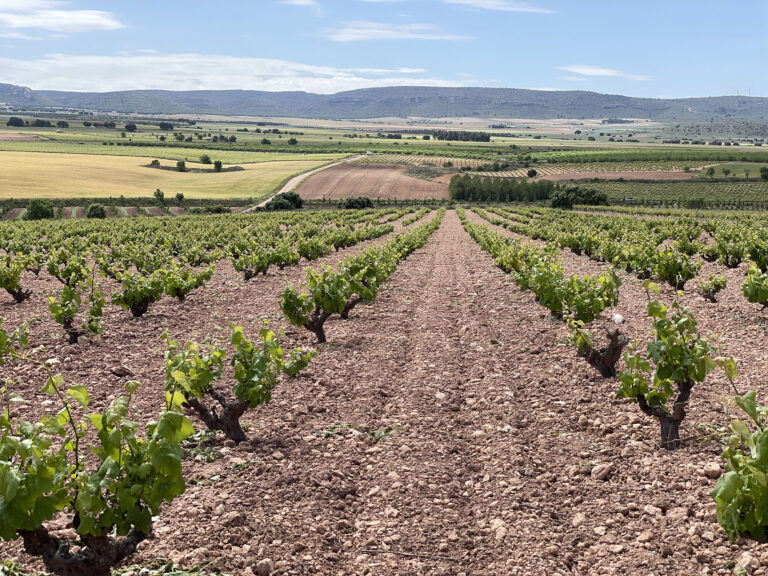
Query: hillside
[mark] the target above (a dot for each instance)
(394, 101)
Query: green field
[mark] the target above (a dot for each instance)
(33, 175)
(162, 152)
(736, 170)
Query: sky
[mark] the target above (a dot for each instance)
(650, 48)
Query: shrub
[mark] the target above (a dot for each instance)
(355, 203)
(179, 197)
(205, 159)
(155, 162)
(15, 122)
(181, 166)
(39, 210)
(566, 199)
(95, 211)
(159, 196)
(217, 165)
(286, 201)
(130, 127)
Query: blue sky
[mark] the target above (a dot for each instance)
(655, 48)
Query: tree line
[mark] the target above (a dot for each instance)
(461, 136)
(478, 189)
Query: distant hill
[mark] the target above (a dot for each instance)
(399, 102)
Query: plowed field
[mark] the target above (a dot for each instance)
(372, 181)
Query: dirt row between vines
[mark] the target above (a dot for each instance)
(493, 426)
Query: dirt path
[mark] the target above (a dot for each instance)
(296, 180)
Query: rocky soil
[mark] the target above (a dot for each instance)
(448, 428)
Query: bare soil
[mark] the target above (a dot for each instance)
(12, 214)
(5, 137)
(488, 425)
(371, 180)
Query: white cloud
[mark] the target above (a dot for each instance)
(299, 2)
(500, 5)
(148, 70)
(601, 72)
(362, 30)
(54, 16)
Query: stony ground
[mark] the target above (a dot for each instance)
(446, 429)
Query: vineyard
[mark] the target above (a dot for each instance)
(249, 391)
(716, 192)
(418, 160)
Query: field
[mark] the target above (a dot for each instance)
(161, 152)
(373, 181)
(524, 462)
(35, 175)
(755, 191)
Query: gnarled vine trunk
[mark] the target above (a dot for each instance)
(228, 421)
(605, 359)
(138, 310)
(669, 421)
(351, 303)
(315, 324)
(96, 558)
(19, 295)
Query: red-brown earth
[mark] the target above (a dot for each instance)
(371, 180)
(495, 426)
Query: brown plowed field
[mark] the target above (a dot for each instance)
(372, 181)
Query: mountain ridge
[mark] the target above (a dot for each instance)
(401, 102)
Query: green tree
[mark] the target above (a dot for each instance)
(764, 172)
(181, 166)
(159, 196)
(130, 127)
(95, 211)
(711, 171)
(15, 122)
(217, 165)
(205, 159)
(39, 210)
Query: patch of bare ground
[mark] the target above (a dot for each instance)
(371, 180)
(5, 137)
(12, 214)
